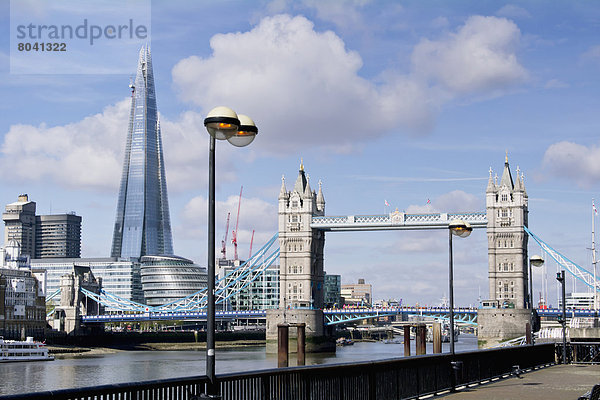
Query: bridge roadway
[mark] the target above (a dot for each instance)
(332, 316)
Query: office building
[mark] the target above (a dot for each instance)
(19, 224)
(119, 277)
(578, 301)
(58, 236)
(260, 294)
(166, 279)
(22, 301)
(332, 296)
(42, 236)
(142, 225)
(357, 294)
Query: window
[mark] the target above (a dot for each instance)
(504, 197)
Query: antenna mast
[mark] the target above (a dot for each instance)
(251, 241)
(237, 222)
(224, 241)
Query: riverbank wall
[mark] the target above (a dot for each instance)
(130, 339)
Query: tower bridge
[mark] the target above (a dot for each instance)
(301, 239)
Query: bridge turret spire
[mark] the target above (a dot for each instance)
(320, 198)
(506, 179)
(490, 186)
(283, 191)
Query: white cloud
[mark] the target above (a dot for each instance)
(556, 84)
(88, 153)
(592, 54)
(84, 154)
(455, 201)
(304, 87)
(343, 13)
(513, 11)
(479, 57)
(255, 214)
(301, 86)
(573, 161)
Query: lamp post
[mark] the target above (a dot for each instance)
(222, 123)
(560, 276)
(462, 229)
(536, 261)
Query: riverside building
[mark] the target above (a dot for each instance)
(119, 277)
(166, 279)
(42, 236)
(22, 300)
(260, 294)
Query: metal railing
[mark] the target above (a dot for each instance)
(398, 378)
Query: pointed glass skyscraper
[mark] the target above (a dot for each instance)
(143, 226)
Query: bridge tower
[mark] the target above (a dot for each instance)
(301, 264)
(301, 247)
(507, 214)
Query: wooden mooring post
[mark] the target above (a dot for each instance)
(406, 341)
(420, 339)
(283, 337)
(437, 337)
(282, 345)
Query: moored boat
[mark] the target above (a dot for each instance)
(18, 350)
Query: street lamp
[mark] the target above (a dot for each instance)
(560, 276)
(222, 123)
(461, 229)
(536, 261)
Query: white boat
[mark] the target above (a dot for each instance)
(28, 350)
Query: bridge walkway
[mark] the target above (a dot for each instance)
(552, 383)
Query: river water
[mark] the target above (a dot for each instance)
(131, 366)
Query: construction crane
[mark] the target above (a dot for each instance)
(251, 241)
(237, 222)
(224, 241)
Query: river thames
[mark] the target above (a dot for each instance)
(130, 366)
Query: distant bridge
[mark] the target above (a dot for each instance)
(333, 316)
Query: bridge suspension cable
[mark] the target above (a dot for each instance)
(226, 287)
(579, 272)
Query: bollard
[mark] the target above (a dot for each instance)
(457, 373)
(301, 343)
(406, 341)
(420, 339)
(437, 337)
(282, 345)
(528, 333)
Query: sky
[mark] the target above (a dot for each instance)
(397, 101)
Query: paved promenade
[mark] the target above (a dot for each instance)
(558, 382)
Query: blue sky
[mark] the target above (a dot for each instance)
(402, 101)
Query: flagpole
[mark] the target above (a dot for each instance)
(594, 260)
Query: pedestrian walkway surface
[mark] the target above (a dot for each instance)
(557, 382)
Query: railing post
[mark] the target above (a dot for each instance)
(406, 341)
(282, 345)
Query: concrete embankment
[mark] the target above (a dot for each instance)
(107, 342)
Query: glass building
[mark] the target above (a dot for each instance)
(169, 278)
(260, 294)
(142, 225)
(119, 277)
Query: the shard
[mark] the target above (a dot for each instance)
(143, 226)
